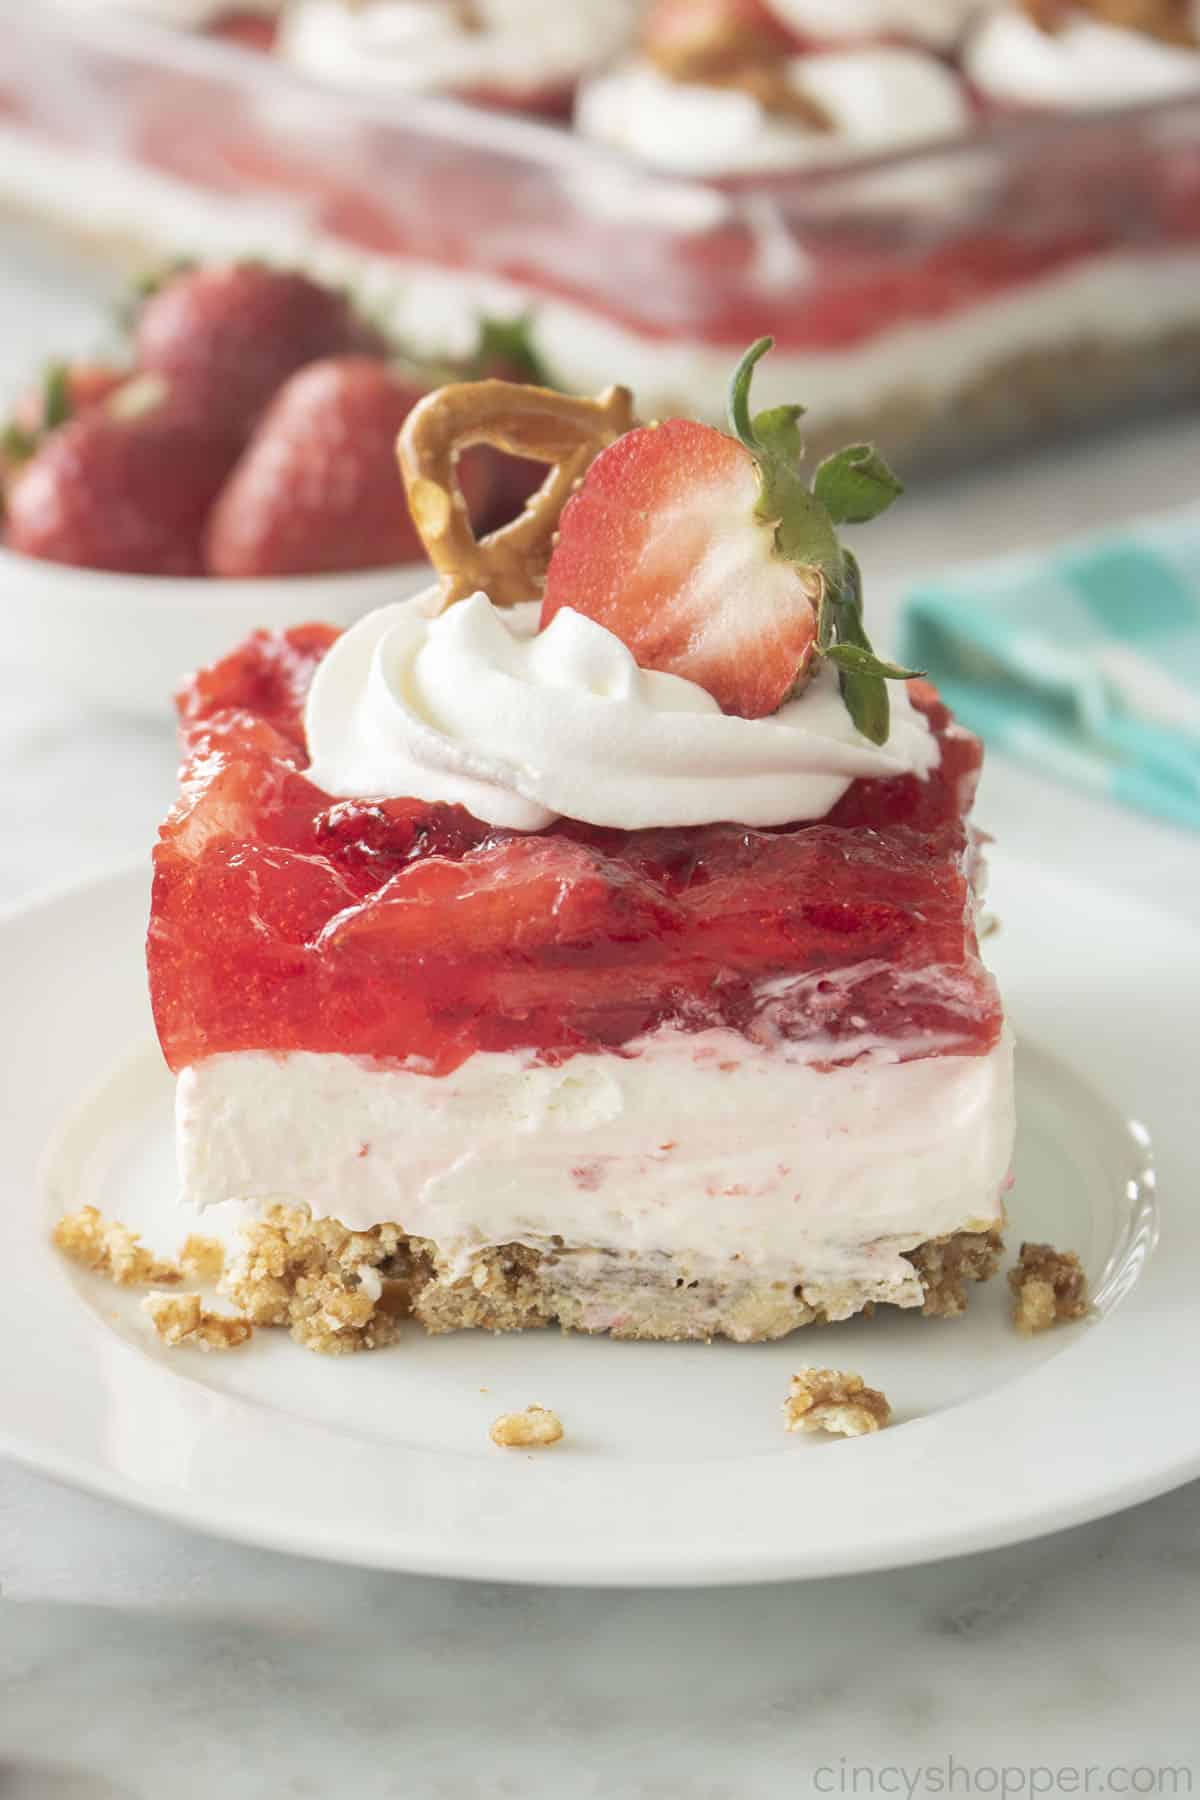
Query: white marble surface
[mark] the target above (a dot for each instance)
(137, 1659)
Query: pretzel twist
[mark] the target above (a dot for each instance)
(508, 564)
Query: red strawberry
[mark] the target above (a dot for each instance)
(662, 546)
(318, 488)
(710, 557)
(234, 334)
(129, 494)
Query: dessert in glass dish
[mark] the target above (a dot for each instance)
(592, 940)
(873, 197)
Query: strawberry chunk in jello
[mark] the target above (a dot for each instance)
(286, 920)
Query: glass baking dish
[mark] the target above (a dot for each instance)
(1038, 275)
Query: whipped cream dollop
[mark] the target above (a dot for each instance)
(426, 45)
(1086, 63)
(876, 97)
(479, 708)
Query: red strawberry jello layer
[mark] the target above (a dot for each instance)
(287, 920)
(665, 1079)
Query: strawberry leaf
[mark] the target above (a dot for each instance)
(848, 489)
(857, 661)
(855, 485)
(778, 431)
(16, 445)
(804, 531)
(865, 694)
(867, 703)
(56, 396)
(862, 676)
(740, 421)
(507, 345)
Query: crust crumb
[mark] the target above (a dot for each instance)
(203, 1258)
(109, 1248)
(337, 1290)
(945, 1265)
(835, 1401)
(1049, 1288)
(181, 1320)
(534, 1427)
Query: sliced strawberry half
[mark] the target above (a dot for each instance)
(662, 546)
(710, 557)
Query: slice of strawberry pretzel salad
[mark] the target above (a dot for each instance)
(594, 940)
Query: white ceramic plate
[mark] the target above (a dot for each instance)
(675, 1467)
(126, 641)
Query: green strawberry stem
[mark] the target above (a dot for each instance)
(847, 489)
(16, 445)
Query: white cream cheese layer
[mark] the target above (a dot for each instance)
(703, 1146)
(521, 727)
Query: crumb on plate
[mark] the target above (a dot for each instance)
(836, 1401)
(181, 1320)
(530, 1429)
(109, 1248)
(1049, 1288)
(203, 1258)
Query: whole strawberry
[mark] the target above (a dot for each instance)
(318, 487)
(130, 494)
(233, 334)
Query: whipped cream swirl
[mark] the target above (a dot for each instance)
(422, 45)
(479, 708)
(1086, 63)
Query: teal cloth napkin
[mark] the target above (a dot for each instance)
(1085, 659)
